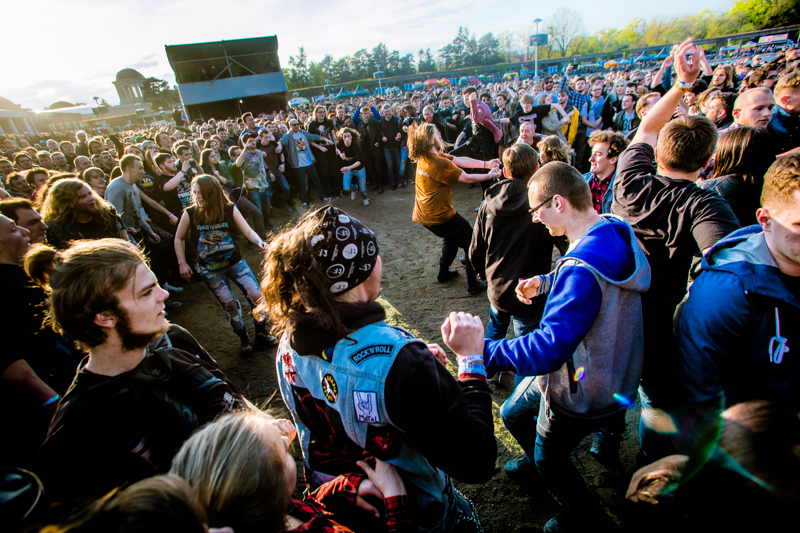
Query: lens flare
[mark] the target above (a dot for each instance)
(623, 400)
(580, 373)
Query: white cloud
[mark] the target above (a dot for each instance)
(86, 43)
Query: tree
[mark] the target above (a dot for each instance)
(426, 62)
(158, 93)
(488, 52)
(564, 26)
(298, 69)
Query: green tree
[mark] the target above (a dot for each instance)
(158, 93)
(488, 52)
(298, 69)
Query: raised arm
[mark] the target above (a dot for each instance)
(657, 118)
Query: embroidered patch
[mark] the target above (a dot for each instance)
(383, 350)
(329, 388)
(288, 369)
(366, 404)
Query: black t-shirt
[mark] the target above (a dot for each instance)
(535, 115)
(111, 430)
(674, 220)
(180, 197)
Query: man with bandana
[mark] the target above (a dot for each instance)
(354, 383)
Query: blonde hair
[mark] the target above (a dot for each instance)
(237, 473)
(421, 138)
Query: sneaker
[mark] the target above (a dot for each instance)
(172, 288)
(366, 201)
(304, 206)
(288, 208)
(521, 467)
(353, 194)
(447, 275)
(267, 338)
(326, 200)
(604, 454)
(476, 287)
(171, 304)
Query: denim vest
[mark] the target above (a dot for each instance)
(338, 404)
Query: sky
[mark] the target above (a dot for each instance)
(72, 50)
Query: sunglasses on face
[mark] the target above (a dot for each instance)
(533, 210)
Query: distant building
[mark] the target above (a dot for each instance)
(129, 86)
(13, 119)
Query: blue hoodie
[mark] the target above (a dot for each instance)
(592, 321)
(739, 338)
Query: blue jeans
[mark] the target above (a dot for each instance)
(260, 199)
(552, 437)
(500, 320)
(361, 176)
(403, 161)
(219, 281)
(392, 157)
(280, 181)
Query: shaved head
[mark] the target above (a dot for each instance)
(754, 107)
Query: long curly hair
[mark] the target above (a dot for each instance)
(57, 205)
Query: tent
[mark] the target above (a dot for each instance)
(343, 93)
(359, 91)
(444, 81)
(611, 64)
(430, 82)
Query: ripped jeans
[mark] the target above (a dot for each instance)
(219, 283)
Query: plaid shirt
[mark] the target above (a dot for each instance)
(342, 491)
(576, 100)
(599, 189)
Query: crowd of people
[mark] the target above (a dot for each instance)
(671, 197)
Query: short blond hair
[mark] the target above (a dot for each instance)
(781, 181)
(787, 82)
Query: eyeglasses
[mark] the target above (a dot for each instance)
(533, 210)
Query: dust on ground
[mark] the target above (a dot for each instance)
(410, 255)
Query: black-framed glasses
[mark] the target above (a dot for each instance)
(532, 210)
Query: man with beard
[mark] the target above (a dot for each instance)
(72, 212)
(144, 387)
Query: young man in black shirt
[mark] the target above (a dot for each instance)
(144, 387)
(674, 221)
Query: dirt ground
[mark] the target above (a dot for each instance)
(410, 254)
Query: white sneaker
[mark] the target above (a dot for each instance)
(366, 201)
(172, 288)
(304, 206)
(353, 194)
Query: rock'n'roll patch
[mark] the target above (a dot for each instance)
(383, 350)
(329, 388)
